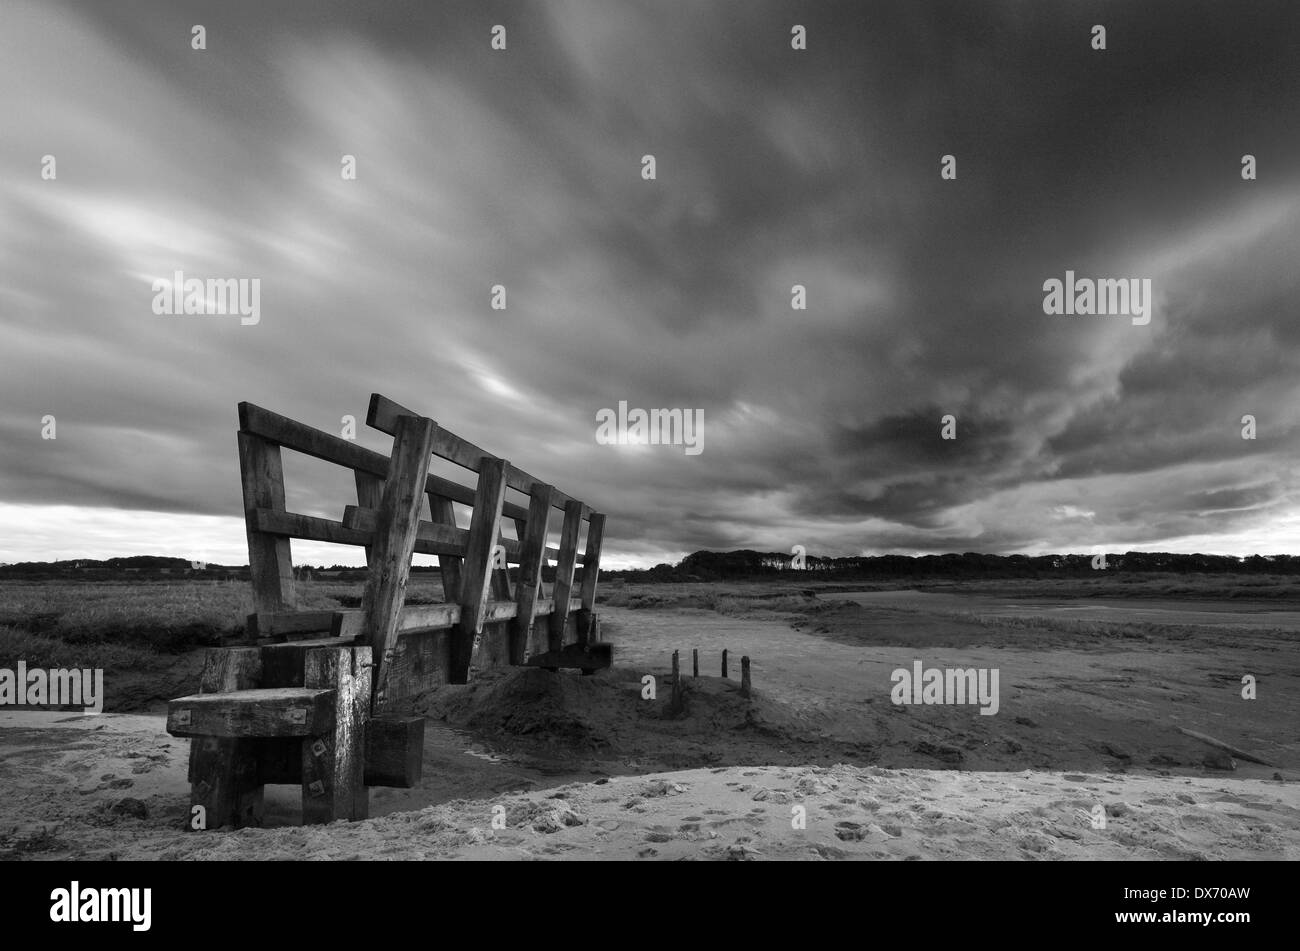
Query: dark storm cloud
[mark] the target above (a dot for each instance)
(775, 168)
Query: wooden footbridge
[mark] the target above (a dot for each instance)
(304, 700)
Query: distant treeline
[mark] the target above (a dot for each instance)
(733, 565)
(163, 568)
(711, 566)
(160, 568)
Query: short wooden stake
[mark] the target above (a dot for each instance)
(744, 676)
(695, 662)
(724, 663)
(677, 703)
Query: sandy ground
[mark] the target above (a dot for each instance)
(1065, 702)
(585, 767)
(64, 806)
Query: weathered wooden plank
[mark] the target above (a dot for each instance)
(421, 661)
(439, 539)
(591, 560)
(310, 441)
(273, 711)
(413, 617)
(394, 751)
(433, 537)
(311, 527)
(449, 566)
(280, 623)
(349, 624)
(327, 447)
(357, 528)
(370, 495)
(590, 574)
(497, 611)
(223, 772)
(521, 529)
(270, 561)
(384, 413)
(334, 759)
(394, 541)
(425, 617)
(485, 526)
(493, 644)
(533, 538)
(564, 566)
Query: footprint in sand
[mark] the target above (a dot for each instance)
(829, 852)
(850, 831)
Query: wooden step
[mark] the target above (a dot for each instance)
(278, 711)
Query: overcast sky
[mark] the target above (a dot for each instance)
(774, 167)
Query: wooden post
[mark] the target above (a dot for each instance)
(521, 530)
(724, 664)
(370, 495)
(695, 662)
(484, 529)
(270, 563)
(449, 566)
(590, 574)
(532, 552)
(562, 591)
(499, 583)
(677, 703)
(333, 763)
(394, 543)
(224, 773)
(744, 676)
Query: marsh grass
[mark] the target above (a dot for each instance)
(37, 650)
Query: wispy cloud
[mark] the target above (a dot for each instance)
(775, 168)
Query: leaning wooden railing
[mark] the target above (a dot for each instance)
(492, 625)
(305, 701)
